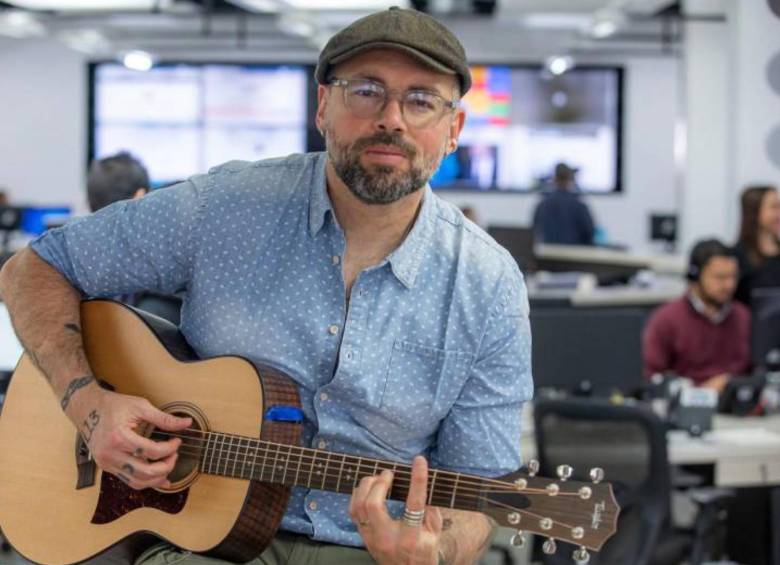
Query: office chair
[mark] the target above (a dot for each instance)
(629, 443)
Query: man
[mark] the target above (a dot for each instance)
(118, 177)
(405, 328)
(703, 335)
(561, 217)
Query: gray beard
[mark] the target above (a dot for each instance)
(381, 184)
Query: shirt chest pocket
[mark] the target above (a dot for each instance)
(422, 382)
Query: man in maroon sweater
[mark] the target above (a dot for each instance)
(702, 335)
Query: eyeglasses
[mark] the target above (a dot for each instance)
(367, 99)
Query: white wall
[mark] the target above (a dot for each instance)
(43, 106)
(43, 98)
(649, 174)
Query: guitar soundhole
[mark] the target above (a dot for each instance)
(191, 449)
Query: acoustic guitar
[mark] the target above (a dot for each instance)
(236, 464)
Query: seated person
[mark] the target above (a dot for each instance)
(703, 335)
(561, 217)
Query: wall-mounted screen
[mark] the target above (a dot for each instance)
(182, 119)
(522, 121)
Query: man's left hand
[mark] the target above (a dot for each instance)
(394, 541)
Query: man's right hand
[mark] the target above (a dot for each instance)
(109, 423)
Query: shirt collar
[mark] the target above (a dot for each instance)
(406, 259)
(701, 308)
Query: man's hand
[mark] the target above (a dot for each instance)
(109, 421)
(392, 541)
(718, 382)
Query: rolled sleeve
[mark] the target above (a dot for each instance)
(481, 434)
(132, 245)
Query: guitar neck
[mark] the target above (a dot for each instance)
(247, 458)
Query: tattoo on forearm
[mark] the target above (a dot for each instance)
(74, 385)
(128, 468)
(90, 424)
(73, 327)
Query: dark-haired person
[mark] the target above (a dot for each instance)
(404, 327)
(561, 217)
(114, 178)
(703, 335)
(758, 246)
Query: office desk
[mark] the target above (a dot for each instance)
(744, 451)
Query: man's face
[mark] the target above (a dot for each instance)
(382, 158)
(718, 280)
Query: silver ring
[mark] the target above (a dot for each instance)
(413, 517)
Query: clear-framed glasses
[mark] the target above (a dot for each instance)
(367, 99)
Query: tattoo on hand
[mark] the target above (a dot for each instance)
(74, 385)
(90, 424)
(73, 327)
(128, 468)
(446, 524)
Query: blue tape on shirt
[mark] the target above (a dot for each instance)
(284, 414)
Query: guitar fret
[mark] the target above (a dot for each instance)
(433, 486)
(228, 451)
(376, 467)
(357, 471)
(286, 463)
(298, 469)
(341, 470)
(454, 490)
(246, 456)
(275, 463)
(325, 472)
(235, 456)
(221, 439)
(254, 462)
(263, 465)
(205, 454)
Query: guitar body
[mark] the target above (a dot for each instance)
(56, 507)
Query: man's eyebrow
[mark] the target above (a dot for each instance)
(412, 88)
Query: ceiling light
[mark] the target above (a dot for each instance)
(559, 64)
(86, 5)
(19, 24)
(88, 41)
(292, 24)
(605, 23)
(138, 60)
(259, 6)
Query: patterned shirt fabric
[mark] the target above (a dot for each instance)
(430, 356)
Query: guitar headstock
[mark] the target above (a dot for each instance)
(581, 513)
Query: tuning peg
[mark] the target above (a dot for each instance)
(597, 474)
(564, 471)
(521, 483)
(513, 518)
(549, 546)
(581, 556)
(585, 492)
(518, 540)
(533, 467)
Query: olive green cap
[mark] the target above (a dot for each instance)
(410, 31)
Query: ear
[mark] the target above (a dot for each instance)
(322, 104)
(456, 126)
(139, 192)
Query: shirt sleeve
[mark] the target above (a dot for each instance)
(132, 245)
(481, 433)
(656, 346)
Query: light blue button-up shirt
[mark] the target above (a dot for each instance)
(430, 356)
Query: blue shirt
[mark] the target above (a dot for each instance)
(431, 356)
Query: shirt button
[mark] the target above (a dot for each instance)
(336, 259)
(333, 329)
(322, 444)
(313, 505)
(323, 396)
(349, 355)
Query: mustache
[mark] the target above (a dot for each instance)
(386, 138)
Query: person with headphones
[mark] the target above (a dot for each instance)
(703, 335)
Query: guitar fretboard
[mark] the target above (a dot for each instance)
(247, 458)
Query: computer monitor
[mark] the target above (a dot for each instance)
(519, 242)
(765, 334)
(10, 348)
(38, 219)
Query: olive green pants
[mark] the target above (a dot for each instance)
(286, 549)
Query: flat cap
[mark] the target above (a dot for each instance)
(413, 32)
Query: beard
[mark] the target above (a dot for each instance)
(380, 184)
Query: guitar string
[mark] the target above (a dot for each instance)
(444, 474)
(223, 459)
